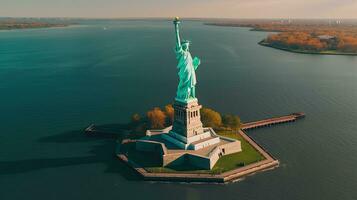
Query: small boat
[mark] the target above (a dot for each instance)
(90, 128)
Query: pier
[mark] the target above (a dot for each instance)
(272, 121)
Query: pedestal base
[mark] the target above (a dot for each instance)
(192, 143)
(202, 152)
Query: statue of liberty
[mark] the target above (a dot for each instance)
(186, 66)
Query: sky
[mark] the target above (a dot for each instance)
(182, 8)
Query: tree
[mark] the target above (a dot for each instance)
(210, 118)
(156, 118)
(169, 111)
(231, 121)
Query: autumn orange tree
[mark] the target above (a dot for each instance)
(297, 40)
(347, 44)
(231, 121)
(307, 37)
(156, 118)
(210, 118)
(169, 111)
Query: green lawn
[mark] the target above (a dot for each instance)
(247, 156)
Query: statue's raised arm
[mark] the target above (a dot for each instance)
(177, 33)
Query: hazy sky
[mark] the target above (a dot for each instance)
(183, 8)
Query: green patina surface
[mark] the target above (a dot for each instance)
(249, 155)
(186, 66)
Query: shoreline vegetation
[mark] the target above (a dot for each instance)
(325, 37)
(159, 118)
(328, 52)
(25, 23)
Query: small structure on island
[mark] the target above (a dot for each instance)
(187, 141)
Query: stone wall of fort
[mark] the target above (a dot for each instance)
(147, 145)
(173, 159)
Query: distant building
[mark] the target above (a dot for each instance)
(326, 37)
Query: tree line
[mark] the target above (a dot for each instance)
(314, 41)
(158, 118)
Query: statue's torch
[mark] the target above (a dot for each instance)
(176, 20)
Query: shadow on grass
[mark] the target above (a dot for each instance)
(102, 151)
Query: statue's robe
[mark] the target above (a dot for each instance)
(186, 66)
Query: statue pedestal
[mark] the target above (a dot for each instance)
(187, 130)
(178, 144)
(187, 118)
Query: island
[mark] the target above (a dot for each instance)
(304, 36)
(148, 162)
(28, 23)
(187, 142)
(224, 125)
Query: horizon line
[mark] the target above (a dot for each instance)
(103, 18)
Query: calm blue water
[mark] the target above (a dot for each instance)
(56, 81)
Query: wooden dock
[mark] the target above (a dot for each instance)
(272, 121)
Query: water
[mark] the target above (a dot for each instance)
(56, 81)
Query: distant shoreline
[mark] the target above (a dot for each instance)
(266, 44)
(34, 27)
(4, 25)
(280, 30)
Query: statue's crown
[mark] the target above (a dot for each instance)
(185, 42)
